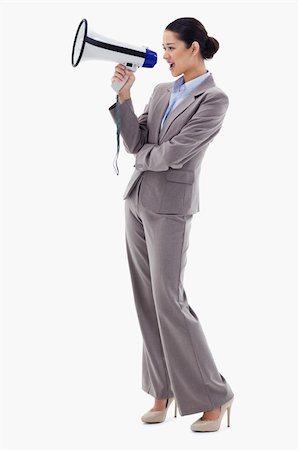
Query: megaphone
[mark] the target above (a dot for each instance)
(89, 45)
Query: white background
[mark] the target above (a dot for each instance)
(71, 340)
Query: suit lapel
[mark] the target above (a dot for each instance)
(189, 100)
(160, 108)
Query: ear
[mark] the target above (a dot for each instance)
(195, 48)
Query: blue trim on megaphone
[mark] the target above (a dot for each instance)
(150, 58)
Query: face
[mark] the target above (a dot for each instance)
(180, 58)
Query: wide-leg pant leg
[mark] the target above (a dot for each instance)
(193, 375)
(155, 378)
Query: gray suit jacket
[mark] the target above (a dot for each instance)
(171, 158)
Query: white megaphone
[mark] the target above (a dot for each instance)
(90, 45)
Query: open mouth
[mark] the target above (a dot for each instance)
(171, 66)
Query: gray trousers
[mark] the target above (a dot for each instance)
(176, 359)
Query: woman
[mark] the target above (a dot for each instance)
(169, 141)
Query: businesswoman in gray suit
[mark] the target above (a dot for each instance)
(169, 141)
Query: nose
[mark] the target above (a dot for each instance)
(165, 55)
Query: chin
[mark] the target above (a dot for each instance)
(176, 74)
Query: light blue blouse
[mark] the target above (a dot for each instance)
(180, 90)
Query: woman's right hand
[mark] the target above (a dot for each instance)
(119, 74)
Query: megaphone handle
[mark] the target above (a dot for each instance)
(117, 85)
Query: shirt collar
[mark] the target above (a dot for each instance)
(180, 86)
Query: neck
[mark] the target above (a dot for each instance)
(194, 72)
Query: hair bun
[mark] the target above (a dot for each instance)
(210, 48)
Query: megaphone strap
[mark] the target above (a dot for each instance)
(115, 48)
(118, 125)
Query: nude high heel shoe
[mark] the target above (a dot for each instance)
(213, 425)
(159, 416)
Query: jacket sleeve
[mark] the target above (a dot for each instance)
(193, 137)
(133, 130)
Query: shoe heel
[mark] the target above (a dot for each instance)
(228, 416)
(175, 408)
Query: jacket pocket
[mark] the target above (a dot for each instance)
(177, 190)
(180, 176)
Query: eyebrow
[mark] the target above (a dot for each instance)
(169, 43)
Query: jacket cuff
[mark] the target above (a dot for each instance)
(127, 104)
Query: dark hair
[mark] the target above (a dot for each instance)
(190, 30)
